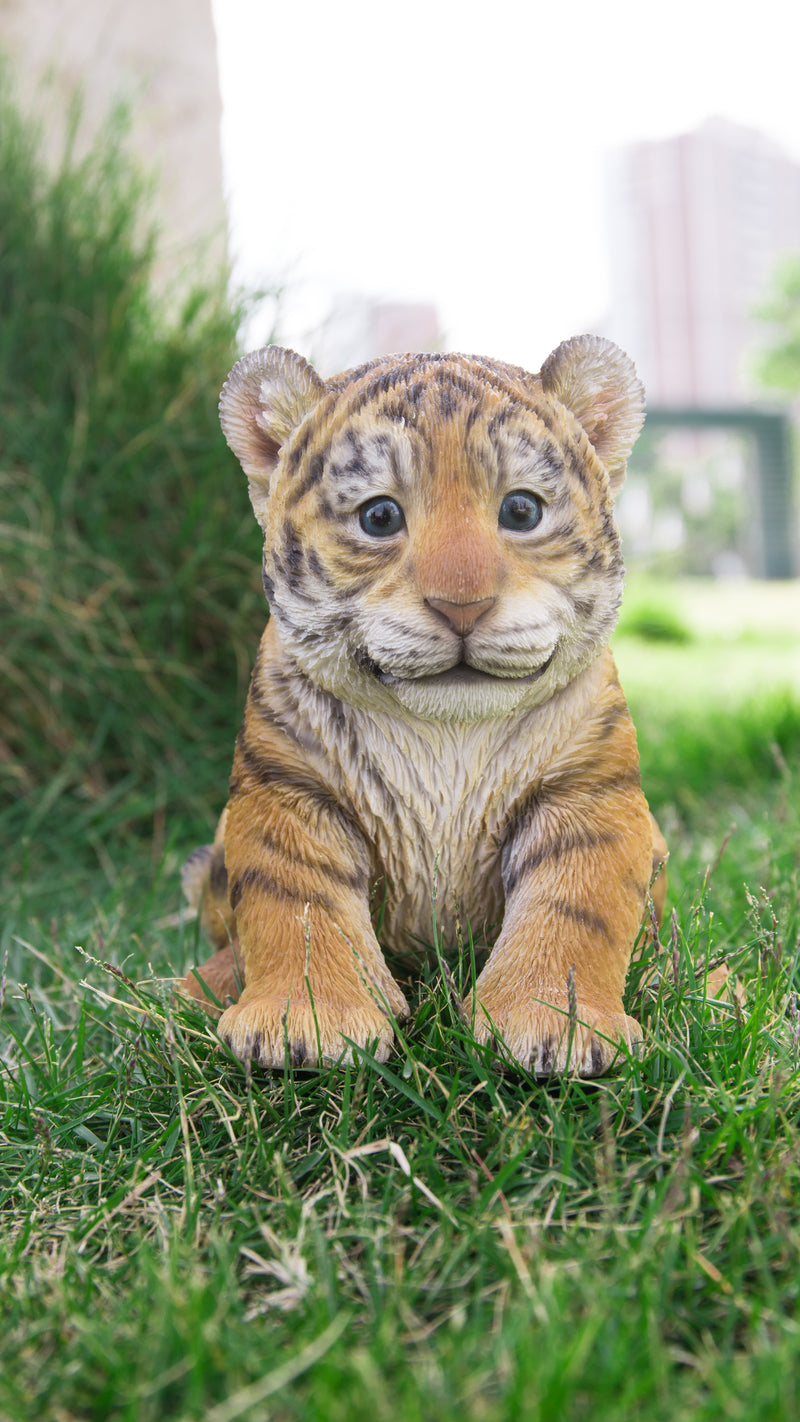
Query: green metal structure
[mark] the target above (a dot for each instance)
(771, 434)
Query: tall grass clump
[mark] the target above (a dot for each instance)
(130, 597)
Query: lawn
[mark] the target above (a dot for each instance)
(430, 1237)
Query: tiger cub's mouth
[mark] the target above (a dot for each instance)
(461, 674)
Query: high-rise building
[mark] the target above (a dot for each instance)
(696, 226)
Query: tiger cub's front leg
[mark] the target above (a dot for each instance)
(576, 879)
(298, 881)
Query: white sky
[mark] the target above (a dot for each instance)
(453, 152)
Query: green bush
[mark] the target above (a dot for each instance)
(653, 622)
(130, 590)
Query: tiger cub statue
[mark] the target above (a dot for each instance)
(434, 708)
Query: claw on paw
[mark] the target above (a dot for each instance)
(266, 1029)
(546, 1043)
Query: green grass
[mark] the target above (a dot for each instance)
(426, 1238)
(431, 1237)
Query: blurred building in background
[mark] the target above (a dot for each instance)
(697, 224)
(360, 327)
(161, 60)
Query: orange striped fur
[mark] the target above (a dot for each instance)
(433, 702)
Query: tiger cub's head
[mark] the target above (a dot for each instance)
(438, 529)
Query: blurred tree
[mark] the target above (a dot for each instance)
(778, 366)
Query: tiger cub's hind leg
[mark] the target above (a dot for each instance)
(658, 885)
(220, 980)
(216, 983)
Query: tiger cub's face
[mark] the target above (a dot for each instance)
(438, 530)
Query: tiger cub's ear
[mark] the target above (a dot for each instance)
(266, 396)
(598, 382)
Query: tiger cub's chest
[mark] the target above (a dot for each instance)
(435, 808)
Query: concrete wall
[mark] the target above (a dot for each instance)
(161, 57)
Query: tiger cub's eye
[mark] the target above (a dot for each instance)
(381, 517)
(520, 511)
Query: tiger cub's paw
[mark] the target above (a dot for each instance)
(542, 1040)
(266, 1029)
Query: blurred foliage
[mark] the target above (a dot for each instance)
(131, 603)
(778, 367)
(653, 621)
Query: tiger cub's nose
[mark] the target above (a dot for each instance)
(462, 616)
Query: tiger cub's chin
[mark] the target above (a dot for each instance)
(463, 693)
(452, 516)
